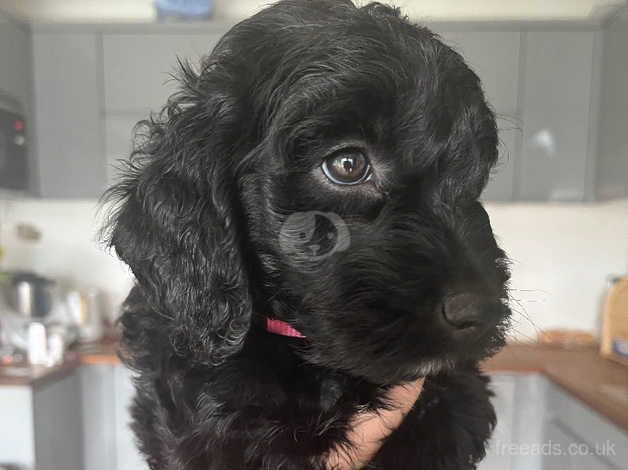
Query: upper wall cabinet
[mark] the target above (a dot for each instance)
(612, 161)
(119, 130)
(560, 107)
(494, 56)
(68, 93)
(556, 107)
(544, 86)
(138, 68)
(139, 71)
(15, 69)
(16, 96)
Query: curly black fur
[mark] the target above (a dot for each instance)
(202, 205)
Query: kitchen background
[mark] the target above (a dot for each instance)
(80, 74)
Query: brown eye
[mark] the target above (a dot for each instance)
(347, 167)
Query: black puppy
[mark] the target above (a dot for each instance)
(304, 226)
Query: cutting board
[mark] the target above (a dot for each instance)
(614, 344)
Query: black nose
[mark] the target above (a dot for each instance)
(462, 310)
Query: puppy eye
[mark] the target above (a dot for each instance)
(347, 167)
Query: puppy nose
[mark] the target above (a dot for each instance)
(462, 310)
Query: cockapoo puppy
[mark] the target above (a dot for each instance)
(303, 223)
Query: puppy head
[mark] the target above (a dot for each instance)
(323, 167)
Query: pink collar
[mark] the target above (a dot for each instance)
(282, 328)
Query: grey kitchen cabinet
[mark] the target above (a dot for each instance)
(16, 71)
(542, 427)
(18, 446)
(69, 128)
(45, 424)
(16, 83)
(139, 68)
(494, 56)
(556, 105)
(529, 418)
(503, 385)
(81, 421)
(519, 405)
(58, 448)
(557, 91)
(119, 130)
(128, 456)
(563, 453)
(501, 185)
(612, 162)
(99, 424)
(588, 441)
(559, 440)
(561, 108)
(138, 79)
(108, 441)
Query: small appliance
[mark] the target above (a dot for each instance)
(13, 149)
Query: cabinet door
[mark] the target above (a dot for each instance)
(530, 414)
(590, 462)
(17, 443)
(119, 140)
(15, 72)
(16, 92)
(128, 456)
(138, 67)
(612, 168)
(601, 440)
(557, 457)
(57, 424)
(556, 102)
(99, 443)
(497, 458)
(501, 185)
(70, 150)
(494, 56)
(566, 452)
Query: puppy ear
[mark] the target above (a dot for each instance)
(177, 223)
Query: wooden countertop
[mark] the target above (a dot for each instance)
(600, 383)
(22, 374)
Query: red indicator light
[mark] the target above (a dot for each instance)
(18, 126)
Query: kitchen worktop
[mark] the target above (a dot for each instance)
(22, 374)
(600, 383)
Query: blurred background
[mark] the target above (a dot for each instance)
(76, 75)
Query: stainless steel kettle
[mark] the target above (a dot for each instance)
(29, 294)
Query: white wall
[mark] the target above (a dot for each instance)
(561, 254)
(68, 249)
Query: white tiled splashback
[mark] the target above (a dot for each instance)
(561, 254)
